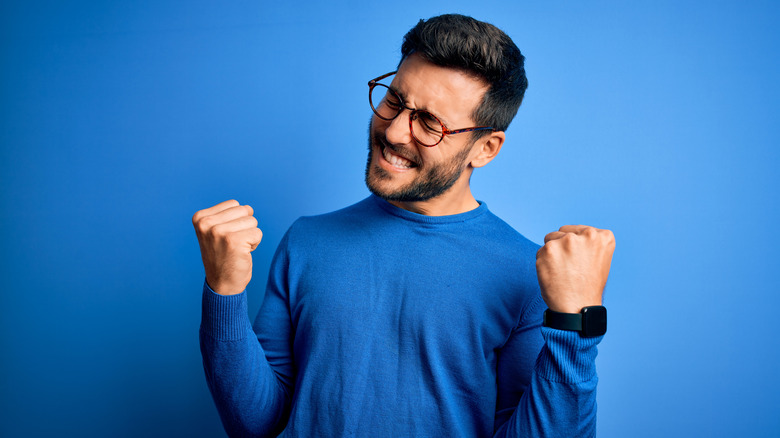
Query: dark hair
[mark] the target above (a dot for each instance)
(478, 48)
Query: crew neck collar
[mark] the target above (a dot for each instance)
(421, 218)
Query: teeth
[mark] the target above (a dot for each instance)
(395, 160)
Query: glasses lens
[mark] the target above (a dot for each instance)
(426, 128)
(385, 103)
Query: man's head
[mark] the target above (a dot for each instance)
(480, 49)
(464, 72)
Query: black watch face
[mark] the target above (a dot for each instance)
(594, 321)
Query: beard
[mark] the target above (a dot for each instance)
(430, 182)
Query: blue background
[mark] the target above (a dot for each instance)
(658, 120)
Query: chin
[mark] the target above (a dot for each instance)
(379, 181)
(427, 186)
(427, 183)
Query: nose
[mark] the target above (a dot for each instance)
(398, 132)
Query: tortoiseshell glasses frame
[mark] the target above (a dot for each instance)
(424, 118)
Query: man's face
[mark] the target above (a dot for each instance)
(399, 168)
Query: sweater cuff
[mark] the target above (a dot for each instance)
(567, 357)
(224, 317)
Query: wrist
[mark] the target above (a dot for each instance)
(589, 322)
(565, 308)
(224, 289)
(570, 307)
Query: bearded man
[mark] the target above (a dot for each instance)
(416, 311)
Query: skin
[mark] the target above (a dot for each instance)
(452, 96)
(227, 234)
(572, 266)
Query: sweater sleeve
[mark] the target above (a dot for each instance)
(250, 385)
(559, 399)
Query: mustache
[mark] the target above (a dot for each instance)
(382, 142)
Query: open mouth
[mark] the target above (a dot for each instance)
(395, 159)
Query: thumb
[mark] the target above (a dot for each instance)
(255, 236)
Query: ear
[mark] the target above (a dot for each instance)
(487, 148)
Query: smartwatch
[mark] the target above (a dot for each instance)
(590, 322)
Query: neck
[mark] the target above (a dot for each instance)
(454, 201)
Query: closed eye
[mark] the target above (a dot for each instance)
(428, 121)
(392, 101)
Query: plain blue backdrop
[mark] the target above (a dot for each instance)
(658, 120)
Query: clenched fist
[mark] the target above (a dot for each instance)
(573, 266)
(227, 234)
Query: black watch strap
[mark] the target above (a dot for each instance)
(562, 321)
(590, 322)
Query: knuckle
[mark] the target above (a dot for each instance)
(566, 242)
(201, 227)
(205, 224)
(548, 248)
(217, 230)
(607, 238)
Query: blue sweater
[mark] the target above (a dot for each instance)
(382, 322)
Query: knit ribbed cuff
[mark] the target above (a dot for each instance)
(567, 357)
(224, 317)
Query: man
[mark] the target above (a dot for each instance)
(415, 312)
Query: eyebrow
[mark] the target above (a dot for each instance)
(405, 100)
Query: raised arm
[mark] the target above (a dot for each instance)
(559, 397)
(251, 397)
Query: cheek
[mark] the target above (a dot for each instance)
(433, 156)
(380, 124)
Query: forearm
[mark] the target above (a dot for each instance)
(249, 397)
(561, 399)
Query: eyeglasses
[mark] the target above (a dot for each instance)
(426, 128)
